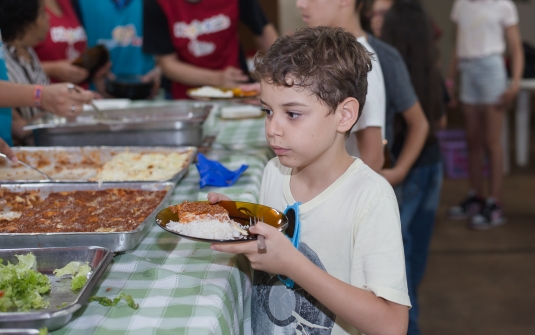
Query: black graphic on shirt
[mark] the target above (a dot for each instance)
(279, 310)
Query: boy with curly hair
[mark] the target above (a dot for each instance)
(348, 268)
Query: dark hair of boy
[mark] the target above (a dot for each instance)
(408, 29)
(328, 62)
(16, 16)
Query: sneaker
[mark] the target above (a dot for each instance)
(469, 207)
(491, 215)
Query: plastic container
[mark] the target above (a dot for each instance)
(455, 154)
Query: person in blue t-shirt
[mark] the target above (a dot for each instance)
(118, 25)
(5, 113)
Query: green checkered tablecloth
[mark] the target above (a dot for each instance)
(181, 286)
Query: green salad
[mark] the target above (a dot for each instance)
(21, 287)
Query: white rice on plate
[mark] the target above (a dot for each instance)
(208, 229)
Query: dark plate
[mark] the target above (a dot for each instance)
(239, 211)
(129, 87)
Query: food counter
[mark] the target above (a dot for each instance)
(181, 286)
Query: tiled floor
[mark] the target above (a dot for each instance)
(483, 282)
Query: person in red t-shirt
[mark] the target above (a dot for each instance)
(196, 41)
(65, 41)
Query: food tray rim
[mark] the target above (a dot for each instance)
(102, 239)
(152, 149)
(44, 317)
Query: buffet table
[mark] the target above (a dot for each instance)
(181, 286)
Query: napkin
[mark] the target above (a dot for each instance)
(214, 173)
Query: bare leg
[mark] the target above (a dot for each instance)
(475, 138)
(494, 118)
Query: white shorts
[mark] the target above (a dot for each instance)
(483, 80)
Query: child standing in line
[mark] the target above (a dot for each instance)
(484, 94)
(366, 139)
(348, 269)
(407, 27)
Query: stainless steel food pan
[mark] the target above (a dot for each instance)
(63, 301)
(171, 125)
(115, 241)
(74, 157)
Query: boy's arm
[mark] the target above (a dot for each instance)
(370, 144)
(360, 308)
(417, 130)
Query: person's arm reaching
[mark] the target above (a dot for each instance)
(370, 145)
(514, 43)
(6, 150)
(65, 71)
(192, 75)
(452, 75)
(154, 75)
(268, 37)
(417, 130)
(55, 98)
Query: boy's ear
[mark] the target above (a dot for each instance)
(349, 109)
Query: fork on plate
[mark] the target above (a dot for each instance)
(260, 238)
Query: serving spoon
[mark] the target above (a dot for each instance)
(29, 166)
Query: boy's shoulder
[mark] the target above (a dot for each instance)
(359, 177)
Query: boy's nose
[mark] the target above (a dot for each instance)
(300, 3)
(273, 127)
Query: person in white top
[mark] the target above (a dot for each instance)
(346, 275)
(366, 141)
(485, 96)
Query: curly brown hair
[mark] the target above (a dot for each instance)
(329, 62)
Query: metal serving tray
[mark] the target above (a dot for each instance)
(63, 302)
(115, 241)
(176, 124)
(75, 155)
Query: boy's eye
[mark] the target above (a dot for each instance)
(293, 115)
(267, 111)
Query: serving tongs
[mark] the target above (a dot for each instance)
(29, 166)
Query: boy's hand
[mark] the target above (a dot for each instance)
(278, 258)
(214, 198)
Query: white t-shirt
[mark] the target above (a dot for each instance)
(351, 230)
(481, 25)
(373, 113)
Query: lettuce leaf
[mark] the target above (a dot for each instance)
(105, 301)
(21, 286)
(78, 271)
